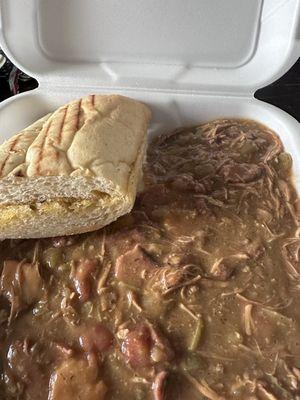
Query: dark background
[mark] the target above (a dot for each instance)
(284, 93)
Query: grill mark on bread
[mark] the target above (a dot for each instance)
(91, 102)
(12, 147)
(75, 128)
(78, 115)
(61, 128)
(41, 151)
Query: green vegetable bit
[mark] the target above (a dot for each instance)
(197, 335)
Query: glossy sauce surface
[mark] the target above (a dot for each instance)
(193, 295)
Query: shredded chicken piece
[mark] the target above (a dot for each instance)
(290, 375)
(296, 373)
(248, 319)
(297, 233)
(260, 304)
(36, 252)
(187, 283)
(293, 272)
(103, 277)
(265, 393)
(273, 236)
(132, 300)
(215, 356)
(169, 278)
(259, 349)
(279, 387)
(273, 150)
(225, 266)
(204, 389)
(293, 214)
(214, 283)
(237, 290)
(185, 308)
(242, 382)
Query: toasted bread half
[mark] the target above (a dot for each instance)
(73, 171)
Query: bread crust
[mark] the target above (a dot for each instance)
(100, 140)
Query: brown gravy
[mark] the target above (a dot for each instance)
(193, 295)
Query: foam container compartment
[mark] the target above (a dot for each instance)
(191, 61)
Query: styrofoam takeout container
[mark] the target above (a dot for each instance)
(190, 60)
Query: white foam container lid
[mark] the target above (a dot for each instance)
(191, 61)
